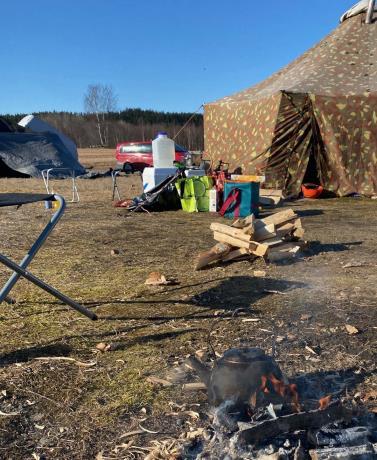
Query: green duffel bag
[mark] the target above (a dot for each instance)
(194, 193)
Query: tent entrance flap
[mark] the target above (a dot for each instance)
(312, 174)
(286, 160)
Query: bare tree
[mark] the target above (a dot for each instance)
(99, 100)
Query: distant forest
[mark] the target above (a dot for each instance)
(126, 125)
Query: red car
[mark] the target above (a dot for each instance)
(135, 156)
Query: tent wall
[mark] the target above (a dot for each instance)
(348, 127)
(237, 132)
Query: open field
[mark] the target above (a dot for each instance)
(76, 409)
(100, 159)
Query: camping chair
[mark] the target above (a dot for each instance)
(46, 179)
(19, 199)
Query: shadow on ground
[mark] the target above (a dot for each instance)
(26, 354)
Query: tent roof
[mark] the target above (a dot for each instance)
(343, 63)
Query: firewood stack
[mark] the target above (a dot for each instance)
(274, 238)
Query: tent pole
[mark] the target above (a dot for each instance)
(370, 11)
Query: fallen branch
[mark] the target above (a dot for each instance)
(157, 381)
(9, 414)
(66, 358)
(131, 433)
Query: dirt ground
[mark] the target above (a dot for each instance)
(86, 407)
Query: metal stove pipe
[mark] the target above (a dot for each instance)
(370, 12)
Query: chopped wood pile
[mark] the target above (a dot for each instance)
(270, 198)
(275, 238)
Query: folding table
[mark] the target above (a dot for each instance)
(20, 270)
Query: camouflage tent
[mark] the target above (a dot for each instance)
(314, 121)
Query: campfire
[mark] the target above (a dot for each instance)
(260, 413)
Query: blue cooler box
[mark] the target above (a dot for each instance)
(240, 199)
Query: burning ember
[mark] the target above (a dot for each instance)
(324, 402)
(285, 391)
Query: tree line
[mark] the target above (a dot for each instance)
(106, 129)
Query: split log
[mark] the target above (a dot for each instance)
(230, 240)
(280, 256)
(258, 249)
(298, 233)
(237, 253)
(246, 223)
(290, 246)
(231, 231)
(194, 386)
(285, 229)
(364, 452)
(215, 253)
(271, 243)
(269, 200)
(271, 192)
(284, 251)
(264, 232)
(278, 218)
(289, 423)
(266, 201)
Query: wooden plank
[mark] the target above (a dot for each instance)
(231, 231)
(212, 255)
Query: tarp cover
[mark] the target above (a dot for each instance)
(30, 153)
(320, 110)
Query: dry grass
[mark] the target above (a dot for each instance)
(99, 159)
(84, 410)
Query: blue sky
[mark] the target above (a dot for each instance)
(170, 55)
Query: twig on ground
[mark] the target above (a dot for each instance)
(66, 358)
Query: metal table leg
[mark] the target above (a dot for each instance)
(114, 175)
(35, 247)
(33, 279)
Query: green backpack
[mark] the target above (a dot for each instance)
(194, 193)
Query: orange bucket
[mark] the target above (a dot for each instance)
(311, 190)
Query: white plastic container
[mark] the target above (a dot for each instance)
(195, 172)
(154, 176)
(213, 200)
(163, 151)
